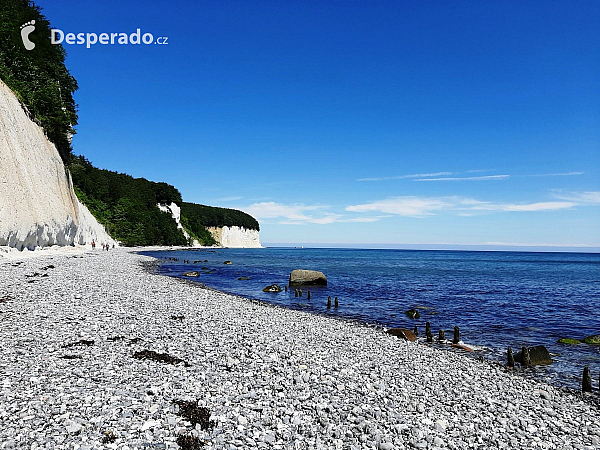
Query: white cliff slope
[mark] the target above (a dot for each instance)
(235, 237)
(38, 207)
(175, 212)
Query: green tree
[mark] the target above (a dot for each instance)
(39, 76)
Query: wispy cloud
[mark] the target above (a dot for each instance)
(482, 178)
(411, 206)
(585, 198)
(402, 177)
(558, 174)
(479, 170)
(538, 206)
(291, 214)
(405, 206)
(361, 219)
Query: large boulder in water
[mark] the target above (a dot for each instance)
(191, 274)
(300, 277)
(537, 355)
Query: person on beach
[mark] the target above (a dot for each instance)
(93, 245)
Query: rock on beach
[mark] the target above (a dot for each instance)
(260, 376)
(300, 277)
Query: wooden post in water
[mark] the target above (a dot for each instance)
(308, 295)
(286, 288)
(510, 359)
(416, 331)
(456, 338)
(428, 334)
(586, 384)
(441, 336)
(329, 302)
(295, 292)
(525, 359)
(336, 304)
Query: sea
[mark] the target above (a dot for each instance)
(497, 299)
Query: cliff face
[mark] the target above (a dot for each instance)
(235, 237)
(38, 206)
(175, 212)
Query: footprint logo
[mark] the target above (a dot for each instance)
(26, 30)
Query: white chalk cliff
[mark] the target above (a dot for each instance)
(235, 237)
(38, 207)
(175, 212)
(232, 237)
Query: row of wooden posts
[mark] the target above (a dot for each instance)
(298, 293)
(586, 385)
(441, 334)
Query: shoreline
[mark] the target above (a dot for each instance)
(271, 377)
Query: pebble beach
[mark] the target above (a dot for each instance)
(98, 351)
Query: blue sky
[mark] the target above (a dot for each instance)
(464, 122)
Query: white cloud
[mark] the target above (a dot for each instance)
(292, 214)
(429, 206)
(560, 174)
(361, 219)
(482, 178)
(586, 198)
(479, 170)
(404, 206)
(539, 206)
(401, 177)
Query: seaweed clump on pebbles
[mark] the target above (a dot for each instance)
(159, 357)
(195, 414)
(115, 338)
(189, 442)
(80, 342)
(71, 357)
(5, 299)
(177, 317)
(109, 437)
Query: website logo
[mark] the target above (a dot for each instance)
(58, 36)
(136, 38)
(26, 30)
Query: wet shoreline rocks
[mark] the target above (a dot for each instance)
(254, 375)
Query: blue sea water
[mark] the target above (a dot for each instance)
(498, 299)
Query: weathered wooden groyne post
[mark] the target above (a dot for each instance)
(510, 358)
(295, 292)
(299, 292)
(525, 359)
(335, 303)
(329, 302)
(428, 334)
(286, 288)
(456, 338)
(441, 336)
(416, 331)
(586, 383)
(308, 295)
